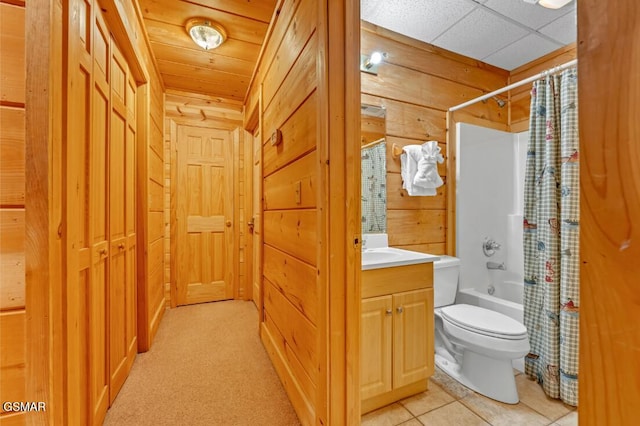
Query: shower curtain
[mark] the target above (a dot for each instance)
(551, 229)
(374, 189)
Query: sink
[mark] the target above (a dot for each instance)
(388, 257)
(378, 255)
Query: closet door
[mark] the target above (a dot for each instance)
(100, 213)
(97, 289)
(122, 337)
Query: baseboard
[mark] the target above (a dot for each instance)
(304, 409)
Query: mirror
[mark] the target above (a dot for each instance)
(374, 170)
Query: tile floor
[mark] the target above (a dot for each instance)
(447, 403)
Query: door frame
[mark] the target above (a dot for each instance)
(252, 126)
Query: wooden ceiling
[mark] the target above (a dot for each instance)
(224, 72)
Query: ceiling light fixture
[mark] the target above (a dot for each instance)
(206, 33)
(553, 4)
(549, 4)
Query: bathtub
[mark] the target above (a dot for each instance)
(506, 299)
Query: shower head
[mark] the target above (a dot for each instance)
(501, 103)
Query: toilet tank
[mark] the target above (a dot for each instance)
(445, 280)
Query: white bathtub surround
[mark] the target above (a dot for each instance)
(490, 200)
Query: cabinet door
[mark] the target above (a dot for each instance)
(375, 346)
(412, 336)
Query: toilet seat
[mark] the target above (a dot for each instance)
(483, 321)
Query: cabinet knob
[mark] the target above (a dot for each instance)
(228, 223)
(389, 311)
(103, 252)
(121, 246)
(399, 309)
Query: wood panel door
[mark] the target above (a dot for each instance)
(122, 231)
(204, 212)
(99, 235)
(376, 339)
(412, 328)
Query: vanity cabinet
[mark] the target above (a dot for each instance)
(396, 333)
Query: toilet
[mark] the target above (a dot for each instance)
(474, 345)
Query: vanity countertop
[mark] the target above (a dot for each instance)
(388, 257)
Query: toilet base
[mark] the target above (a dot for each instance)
(490, 377)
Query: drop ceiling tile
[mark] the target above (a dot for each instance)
(562, 29)
(522, 51)
(423, 20)
(479, 34)
(530, 15)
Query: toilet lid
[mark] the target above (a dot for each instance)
(484, 321)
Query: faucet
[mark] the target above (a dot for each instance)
(489, 246)
(496, 265)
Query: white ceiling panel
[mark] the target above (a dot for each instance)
(479, 34)
(479, 29)
(530, 15)
(423, 19)
(562, 29)
(522, 51)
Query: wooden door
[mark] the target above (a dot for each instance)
(98, 196)
(375, 339)
(412, 346)
(256, 218)
(204, 212)
(122, 291)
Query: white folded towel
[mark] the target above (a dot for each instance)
(419, 169)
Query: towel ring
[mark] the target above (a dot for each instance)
(396, 151)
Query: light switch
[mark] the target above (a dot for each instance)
(276, 137)
(298, 188)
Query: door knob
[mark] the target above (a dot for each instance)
(228, 223)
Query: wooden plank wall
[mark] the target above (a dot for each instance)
(609, 92)
(417, 83)
(287, 80)
(198, 110)
(155, 211)
(12, 203)
(520, 97)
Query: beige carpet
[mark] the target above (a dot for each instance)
(207, 366)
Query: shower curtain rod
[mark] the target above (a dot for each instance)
(518, 84)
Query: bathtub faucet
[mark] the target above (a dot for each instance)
(496, 265)
(489, 246)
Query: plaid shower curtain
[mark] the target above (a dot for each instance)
(551, 242)
(374, 189)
